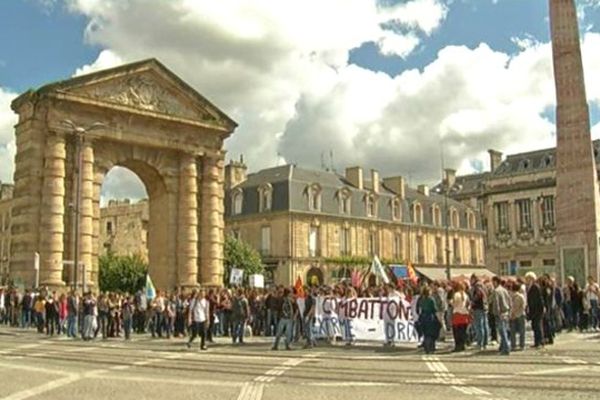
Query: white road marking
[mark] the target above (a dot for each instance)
(554, 370)
(25, 394)
(445, 377)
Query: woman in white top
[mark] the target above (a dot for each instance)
(198, 318)
(460, 316)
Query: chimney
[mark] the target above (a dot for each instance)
(423, 189)
(235, 173)
(395, 184)
(495, 159)
(450, 177)
(354, 175)
(375, 180)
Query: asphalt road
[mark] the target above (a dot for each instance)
(37, 367)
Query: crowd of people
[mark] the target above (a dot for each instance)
(477, 312)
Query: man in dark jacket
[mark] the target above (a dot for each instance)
(535, 308)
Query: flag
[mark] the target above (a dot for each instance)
(150, 290)
(355, 278)
(378, 269)
(412, 275)
(299, 288)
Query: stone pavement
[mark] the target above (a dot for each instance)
(36, 367)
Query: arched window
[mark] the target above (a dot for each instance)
(547, 161)
(313, 193)
(471, 219)
(265, 196)
(417, 213)
(396, 209)
(237, 201)
(454, 219)
(524, 164)
(371, 205)
(436, 215)
(344, 200)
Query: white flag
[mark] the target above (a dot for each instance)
(378, 268)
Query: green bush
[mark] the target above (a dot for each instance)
(126, 274)
(241, 255)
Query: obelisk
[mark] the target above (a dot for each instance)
(577, 200)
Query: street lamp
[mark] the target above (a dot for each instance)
(79, 133)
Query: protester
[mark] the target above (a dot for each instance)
(198, 317)
(460, 317)
(501, 306)
(535, 308)
(428, 320)
(286, 317)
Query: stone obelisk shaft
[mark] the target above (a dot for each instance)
(577, 200)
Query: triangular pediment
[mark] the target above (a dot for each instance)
(146, 86)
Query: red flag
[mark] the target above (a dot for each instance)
(411, 273)
(299, 288)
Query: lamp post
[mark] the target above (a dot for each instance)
(79, 133)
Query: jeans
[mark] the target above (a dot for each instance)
(88, 327)
(285, 325)
(309, 324)
(593, 314)
(199, 329)
(25, 319)
(536, 326)
(480, 324)
(271, 323)
(237, 330)
(517, 327)
(72, 325)
(460, 337)
(570, 322)
(502, 325)
(103, 323)
(127, 325)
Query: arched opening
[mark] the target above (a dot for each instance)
(314, 277)
(133, 218)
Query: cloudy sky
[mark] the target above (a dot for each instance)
(377, 83)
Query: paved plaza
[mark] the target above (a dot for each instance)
(36, 367)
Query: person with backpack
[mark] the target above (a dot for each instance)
(240, 312)
(479, 303)
(286, 320)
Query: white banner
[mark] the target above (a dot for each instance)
(236, 277)
(385, 319)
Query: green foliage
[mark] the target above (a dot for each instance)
(122, 273)
(241, 255)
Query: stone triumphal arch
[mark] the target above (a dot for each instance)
(147, 120)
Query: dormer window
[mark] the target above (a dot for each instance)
(371, 205)
(313, 193)
(454, 220)
(265, 196)
(237, 201)
(436, 215)
(471, 220)
(417, 213)
(524, 164)
(547, 161)
(396, 209)
(344, 200)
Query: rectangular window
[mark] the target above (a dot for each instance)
(439, 250)
(345, 241)
(502, 216)
(550, 262)
(373, 245)
(524, 209)
(548, 211)
(473, 248)
(398, 246)
(420, 249)
(456, 247)
(265, 242)
(504, 269)
(313, 241)
(109, 228)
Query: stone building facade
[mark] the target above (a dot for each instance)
(316, 224)
(6, 193)
(124, 228)
(140, 116)
(516, 199)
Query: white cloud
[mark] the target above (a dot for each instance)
(121, 183)
(7, 142)
(106, 59)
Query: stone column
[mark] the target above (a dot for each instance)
(86, 210)
(212, 225)
(96, 245)
(51, 227)
(536, 218)
(513, 221)
(187, 275)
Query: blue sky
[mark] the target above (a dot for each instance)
(44, 40)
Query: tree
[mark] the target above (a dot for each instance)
(125, 274)
(241, 255)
